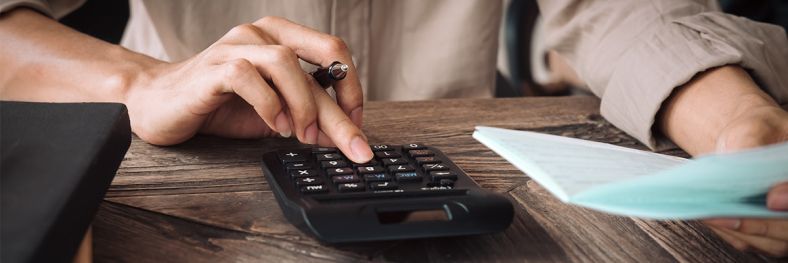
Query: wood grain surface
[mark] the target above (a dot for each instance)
(206, 200)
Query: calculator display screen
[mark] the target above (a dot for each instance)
(400, 217)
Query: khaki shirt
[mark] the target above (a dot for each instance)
(631, 54)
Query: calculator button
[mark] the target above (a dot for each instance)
(291, 156)
(308, 181)
(426, 160)
(407, 177)
(441, 175)
(303, 173)
(393, 161)
(372, 162)
(370, 169)
(350, 187)
(383, 186)
(382, 147)
(339, 171)
(420, 153)
(333, 164)
(298, 166)
(412, 146)
(446, 182)
(387, 154)
(401, 168)
(324, 150)
(348, 178)
(377, 177)
(310, 189)
(434, 167)
(328, 156)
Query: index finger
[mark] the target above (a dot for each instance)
(347, 137)
(320, 49)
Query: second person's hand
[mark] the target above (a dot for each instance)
(249, 84)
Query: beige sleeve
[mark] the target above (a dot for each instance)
(632, 54)
(52, 8)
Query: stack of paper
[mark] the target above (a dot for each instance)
(638, 183)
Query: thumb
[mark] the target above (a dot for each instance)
(777, 199)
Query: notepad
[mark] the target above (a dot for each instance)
(645, 184)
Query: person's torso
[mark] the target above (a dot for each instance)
(404, 50)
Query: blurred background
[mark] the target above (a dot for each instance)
(106, 19)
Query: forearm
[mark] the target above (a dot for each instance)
(42, 60)
(697, 113)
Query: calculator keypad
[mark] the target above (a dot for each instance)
(412, 166)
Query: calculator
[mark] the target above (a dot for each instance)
(406, 191)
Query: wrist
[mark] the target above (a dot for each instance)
(128, 85)
(755, 126)
(130, 73)
(697, 113)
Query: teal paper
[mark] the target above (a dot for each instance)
(726, 185)
(630, 182)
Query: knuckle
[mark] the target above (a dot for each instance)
(244, 31)
(334, 45)
(282, 54)
(238, 67)
(269, 19)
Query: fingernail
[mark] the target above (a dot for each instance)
(311, 134)
(360, 150)
(732, 224)
(778, 201)
(356, 116)
(283, 125)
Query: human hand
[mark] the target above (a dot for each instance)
(248, 85)
(756, 127)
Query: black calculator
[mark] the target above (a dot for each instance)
(405, 191)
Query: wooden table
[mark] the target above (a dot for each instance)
(206, 200)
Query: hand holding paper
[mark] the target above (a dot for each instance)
(630, 182)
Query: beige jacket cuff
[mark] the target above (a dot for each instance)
(52, 8)
(646, 74)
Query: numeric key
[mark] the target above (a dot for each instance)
(324, 150)
(382, 147)
(393, 161)
(412, 146)
(387, 154)
(401, 168)
(333, 164)
(339, 171)
(372, 162)
(328, 156)
(370, 169)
